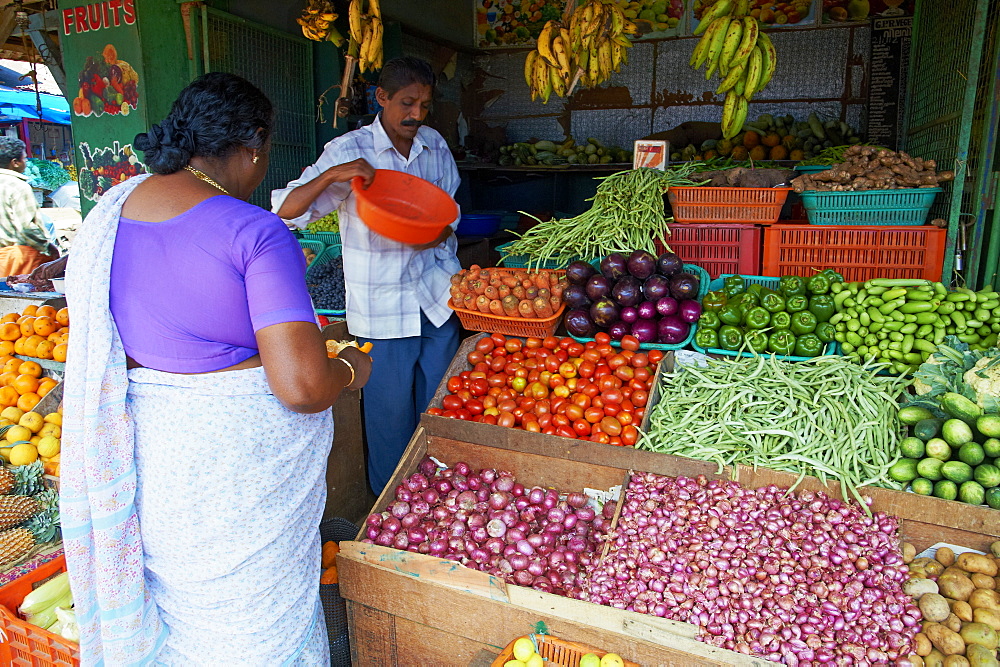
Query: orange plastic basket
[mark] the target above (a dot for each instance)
(27, 645)
(404, 207)
(557, 652)
(524, 327)
(702, 204)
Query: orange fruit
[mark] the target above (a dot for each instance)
(9, 317)
(44, 325)
(19, 345)
(44, 349)
(6, 348)
(30, 368)
(27, 326)
(62, 316)
(12, 365)
(6, 379)
(46, 311)
(45, 386)
(10, 331)
(25, 384)
(29, 311)
(8, 396)
(59, 352)
(31, 345)
(54, 337)
(27, 402)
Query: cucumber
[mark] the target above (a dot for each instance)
(956, 471)
(989, 425)
(956, 432)
(971, 453)
(938, 449)
(992, 447)
(972, 493)
(930, 469)
(988, 475)
(960, 407)
(922, 487)
(913, 448)
(926, 429)
(912, 414)
(946, 489)
(904, 470)
(993, 497)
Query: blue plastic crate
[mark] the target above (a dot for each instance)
(703, 289)
(909, 206)
(331, 252)
(770, 283)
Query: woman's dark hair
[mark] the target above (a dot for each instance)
(399, 73)
(216, 114)
(10, 149)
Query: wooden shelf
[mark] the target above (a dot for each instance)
(542, 169)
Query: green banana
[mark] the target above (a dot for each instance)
(751, 28)
(720, 8)
(732, 42)
(770, 59)
(742, 8)
(715, 48)
(735, 75)
(754, 68)
(740, 86)
(728, 111)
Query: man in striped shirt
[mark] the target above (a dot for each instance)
(397, 294)
(22, 237)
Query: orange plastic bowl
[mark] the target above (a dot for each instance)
(404, 207)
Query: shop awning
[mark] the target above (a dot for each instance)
(18, 104)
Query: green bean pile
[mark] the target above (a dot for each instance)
(627, 214)
(825, 417)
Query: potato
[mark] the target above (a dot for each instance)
(984, 598)
(917, 572)
(921, 644)
(954, 569)
(953, 623)
(956, 661)
(934, 659)
(979, 633)
(980, 656)
(995, 548)
(934, 607)
(955, 586)
(909, 551)
(919, 587)
(945, 640)
(963, 610)
(934, 569)
(914, 660)
(971, 562)
(945, 556)
(980, 580)
(990, 617)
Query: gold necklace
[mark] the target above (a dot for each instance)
(203, 176)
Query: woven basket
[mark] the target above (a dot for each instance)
(557, 652)
(334, 608)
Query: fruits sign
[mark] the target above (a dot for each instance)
(107, 85)
(838, 11)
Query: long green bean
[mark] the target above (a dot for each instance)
(627, 214)
(825, 417)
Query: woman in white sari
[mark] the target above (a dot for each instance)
(197, 406)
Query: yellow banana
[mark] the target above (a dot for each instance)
(604, 53)
(366, 40)
(375, 53)
(728, 114)
(625, 42)
(329, 17)
(558, 83)
(770, 59)
(741, 115)
(740, 86)
(593, 67)
(354, 18)
(732, 41)
(754, 68)
(617, 56)
(541, 75)
(735, 75)
(749, 40)
(374, 9)
(720, 8)
(529, 66)
(742, 8)
(617, 19)
(545, 43)
(567, 39)
(715, 48)
(630, 28)
(562, 57)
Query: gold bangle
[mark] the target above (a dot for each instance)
(353, 375)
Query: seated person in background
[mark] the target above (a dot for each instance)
(23, 242)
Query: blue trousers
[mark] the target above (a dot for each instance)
(405, 375)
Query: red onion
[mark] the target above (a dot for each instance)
(535, 540)
(479, 535)
(467, 500)
(536, 567)
(427, 467)
(514, 534)
(504, 484)
(374, 520)
(371, 532)
(488, 475)
(442, 486)
(496, 528)
(517, 489)
(476, 521)
(462, 468)
(494, 545)
(536, 495)
(525, 547)
(518, 561)
(523, 578)
(416, 535)
(403, 494)
(400, 541)
(409, 520)
(475, 483)
(384, 539)
(391, 524)
(576, 500)
(499, 500)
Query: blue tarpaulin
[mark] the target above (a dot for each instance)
(18, 104)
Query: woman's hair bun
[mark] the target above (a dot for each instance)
(167, 148)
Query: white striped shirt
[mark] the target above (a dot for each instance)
(388, 283)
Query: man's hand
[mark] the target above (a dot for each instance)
(442, 237)
(49, 270)
(343, 173)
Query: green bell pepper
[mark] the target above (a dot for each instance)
(781, 320)
(709, 320)
(791, 285)
(803, 322)
(808, 345)
(757, 318)
(824, 330)
(794, 304)
(733, 285)
(832, 276)
(818, 284)
(713, 301)
(773, 302)
(822, 306)
(730, 338)
(731, 314)
(781, 342)
(706, 338)
(756, 341)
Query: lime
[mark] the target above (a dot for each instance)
(524, 648)
(612, 660)
(590, 660)
(534, 660)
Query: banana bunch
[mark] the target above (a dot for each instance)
(366, 33)
(734, 45)
(317, 22)
(586, 52)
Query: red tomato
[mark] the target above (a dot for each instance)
(506, 418)
(464, 375)
(580, 400)
(616, 361)
(606, 350)
(601, 338)
(581, 426)
(655, 356)
(490, 419)
(612, 409)
(611, 426)
(450, 414)
(602, 370)
(566, 432)
(533, 426)
(451, 402)
(552, 364)
(609, 382)
(437, 412)
(565, 343)
(485, 345)
(549, 430)
(643, 374)
(474, 406)
(563, 355)
(640, 398)
(593, 415)
(574, 349)
(513, 345)
(612, 396)
(545, 420)
(591, 390)
(558, 404)
(591, 355)
(479, 373)
(527, 403)
(497, 380)
(489, 401)
(639, 360)
(624, 373)
(498, 339)
(533, 343)
(630, 343)
(574, 412)
(463, 414)
(589, 345)
(497, 364)
(586, 369)
(601, 438)
(557, 381)
(475, 357)
(560, 421)
(479, 387)
(506, 405)
(630, 435)
(550, 343)
(454, 383)
(625, 417)
(616, 441)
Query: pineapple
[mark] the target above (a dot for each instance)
(29, 479)
(15, 510)
(14, 544)
(41, 528)
(7, 481)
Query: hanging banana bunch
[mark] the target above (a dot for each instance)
(317, 22)
(366, 34)
(734, 45)
(587, 51)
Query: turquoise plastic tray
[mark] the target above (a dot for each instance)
(908, 206)
(521, 261)
(315, 246)
(770, 283)
(810, 168)
(329, 253)
(704, 281)
(326, 238)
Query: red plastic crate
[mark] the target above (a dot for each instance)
(694, 204)
(859, 253)
(26, 644)
(718, 248)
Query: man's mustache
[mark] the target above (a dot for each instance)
(411, 123)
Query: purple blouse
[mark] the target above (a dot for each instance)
(187, 294)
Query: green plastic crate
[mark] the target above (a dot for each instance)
(326, 238)
(770, 283)
(315, 246)
(909, 206)
(811, 168)
(522, 261)
(703, 287)
(331, 252)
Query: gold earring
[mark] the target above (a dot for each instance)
(255, 158)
